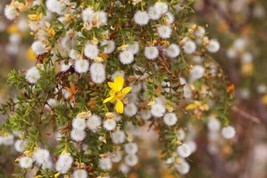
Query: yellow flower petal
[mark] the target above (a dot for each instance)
(264, 99)
(191, 106)
(122, 48)
(118, 83)
(30, 54)
(119, 106)
(205, 107)
(13, 29)
(111, 85)
(113, 100)
(108, 99)
(112, 93)
(126, 90)
(56, 175)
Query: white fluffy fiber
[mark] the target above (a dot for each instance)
(98, 73)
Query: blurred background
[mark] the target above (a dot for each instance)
(241, 28)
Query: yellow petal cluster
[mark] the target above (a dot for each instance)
(117, 93)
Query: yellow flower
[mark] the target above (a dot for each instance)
(84, 115)
(13, 29)
(264, 99)
(197, 105)
(35, 17)
(246, 68)
(30, 54)
(51, 32)
(117, 93)
(56, 175)
(123, 47)
(98, 59)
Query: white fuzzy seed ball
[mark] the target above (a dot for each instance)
(240, 44)
(91, 51)
(38, 47)
(131, 160)
(94, 122)
(173, 51)
(124, 168)
(228, 132)
(154, 13)
(197, 72)
(53, 6)
(247, 57)
(184, 150)
(134, 48)
(132, 97)
(231, 53)
(25, 162)
(80, 173)
(102, 18)
(126, 57)
(181, 134)
(73, 54)
(109, 124)
(158, 110)
(131, 148)
(81, 66)
(78, 123)
(192, 144)
(145, 114)
(105, 163)
(141, 18)
(151, 52)
(170, 119)
(10, 12)
(189, 47)
(214, 125)
(118, 137)
(213, 46)
(22, 25)
(15, 38)
(200, 31)
(88, 15)
(7, 140)
(162, 7)
(33, 75)
(182, 167)
(169, 18)
(109, 46)
(164, 31)
(116, 156)
(77, 135)
(98, 73)
(64, 163)
(41, 156)
(130, 110)
(20, 145)
(261, 88)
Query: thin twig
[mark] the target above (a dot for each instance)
(246, 115)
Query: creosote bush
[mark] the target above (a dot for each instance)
(103, 67)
